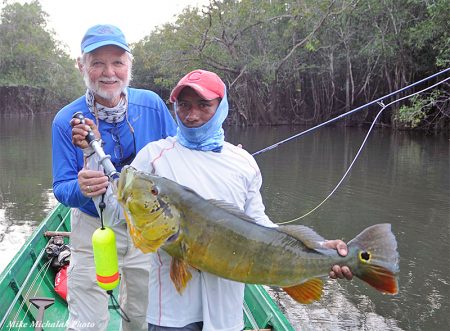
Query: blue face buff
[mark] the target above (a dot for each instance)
(208, 137)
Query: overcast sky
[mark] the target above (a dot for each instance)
(136, 18)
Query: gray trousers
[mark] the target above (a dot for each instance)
(88, 303)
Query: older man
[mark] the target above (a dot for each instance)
(126, 119)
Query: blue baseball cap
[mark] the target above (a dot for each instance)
(102, 35)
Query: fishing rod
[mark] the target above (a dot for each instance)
(104, 159)
(383, 107)
(379, 100)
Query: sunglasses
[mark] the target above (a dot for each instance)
(119, 151)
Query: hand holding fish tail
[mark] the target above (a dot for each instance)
(337, 271)
(340, 272)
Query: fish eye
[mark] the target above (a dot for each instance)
(155, 190)
(366, 256)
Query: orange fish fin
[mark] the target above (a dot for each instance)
(381, 278)
(180, 274)
(306, 292)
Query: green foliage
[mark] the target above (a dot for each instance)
(284, 61)
(304, 61)
(430, 36)
(413, 114)
(426, 111)
(31, 56)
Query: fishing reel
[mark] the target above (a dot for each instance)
(58, 252)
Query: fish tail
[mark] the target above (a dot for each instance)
(377, 255)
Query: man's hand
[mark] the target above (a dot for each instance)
(92, 183)
(338, 271)
(80, 131)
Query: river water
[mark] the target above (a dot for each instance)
(399, 178)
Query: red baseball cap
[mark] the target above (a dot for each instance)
(206, 83)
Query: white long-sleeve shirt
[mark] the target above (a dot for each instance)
(232, 176)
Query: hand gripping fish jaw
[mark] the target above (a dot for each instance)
(105, 160)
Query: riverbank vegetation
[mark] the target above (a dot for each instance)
(31, 59)
(308, 61)
(297, 62)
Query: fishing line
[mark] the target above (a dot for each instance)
(348, 113)
(250, 317)
(26, 281)
(27, 294)
(116, 306)
(362, 145)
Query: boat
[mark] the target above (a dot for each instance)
(29, 300)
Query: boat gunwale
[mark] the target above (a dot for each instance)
(10, 272)
(253, 293)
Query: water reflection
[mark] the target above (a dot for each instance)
(339, 313)
(25, 184)
(400, 178)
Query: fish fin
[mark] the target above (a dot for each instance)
(180, 274)
(306, 292)
(376, 250)
(307, 236)
(232, 209)
(138, 240)
(380, 278)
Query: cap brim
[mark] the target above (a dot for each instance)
(94, 46)
(205, 94)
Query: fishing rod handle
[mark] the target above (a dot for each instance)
(105, 161)
(90, 136)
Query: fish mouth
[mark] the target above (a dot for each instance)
(121, 183)
(155, 218)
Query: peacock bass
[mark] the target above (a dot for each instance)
(216, 237)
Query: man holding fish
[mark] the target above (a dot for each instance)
(183, 295)
(127, 120)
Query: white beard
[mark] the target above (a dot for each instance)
(108, 95)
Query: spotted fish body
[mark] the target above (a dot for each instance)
(214, 236)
